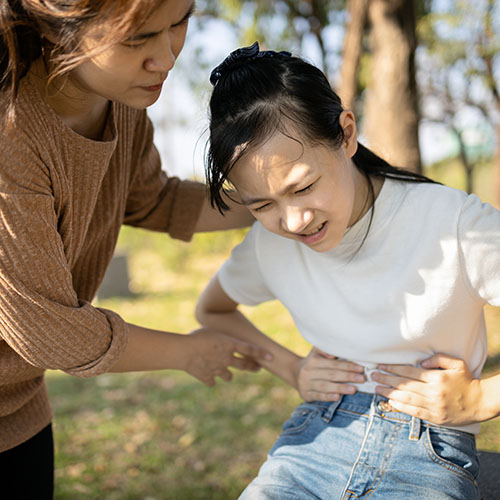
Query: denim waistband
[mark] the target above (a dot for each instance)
(362, 403)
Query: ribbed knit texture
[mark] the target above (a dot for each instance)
(63, 199)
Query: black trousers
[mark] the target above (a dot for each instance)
(27, 471)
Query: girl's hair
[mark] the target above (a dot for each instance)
(57, 29)
(259, 93)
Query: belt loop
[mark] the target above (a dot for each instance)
(327, 417)
(414, 429)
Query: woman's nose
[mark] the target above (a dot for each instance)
(296, 219)
(162, 58)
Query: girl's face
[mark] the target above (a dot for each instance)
(310, 194)
(133, 72)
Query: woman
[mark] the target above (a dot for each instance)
(78, 161)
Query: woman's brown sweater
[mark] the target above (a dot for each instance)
(63, 199)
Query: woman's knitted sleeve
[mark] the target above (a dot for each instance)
(156, 201)
(41, 317)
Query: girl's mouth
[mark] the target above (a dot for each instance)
(314, 236)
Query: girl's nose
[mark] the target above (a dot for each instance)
(296, 219)
(162, 58)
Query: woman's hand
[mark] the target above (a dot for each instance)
(209, 354)
(443, 392)
(322, 377)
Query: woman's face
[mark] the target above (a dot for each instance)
(310, 194)
(133, 72)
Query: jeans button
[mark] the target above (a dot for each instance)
(384, 406)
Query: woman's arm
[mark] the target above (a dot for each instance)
(216, 310)
(443, 392)
(204, 353)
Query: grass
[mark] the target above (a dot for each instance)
(163, 435)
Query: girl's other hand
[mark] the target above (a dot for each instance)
(443, 392)
(323, 377)
(209, 354)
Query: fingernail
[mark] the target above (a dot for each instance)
(359, 378)
(268, 357)
(383, 367)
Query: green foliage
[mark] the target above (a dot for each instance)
(465, 38)
(283, 24)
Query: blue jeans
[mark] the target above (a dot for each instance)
(360, 448)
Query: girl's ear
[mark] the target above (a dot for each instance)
(348, 124)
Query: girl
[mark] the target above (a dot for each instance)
(78, 161)
(375, 264)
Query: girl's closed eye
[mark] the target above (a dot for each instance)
(306, 189)
(261, 208)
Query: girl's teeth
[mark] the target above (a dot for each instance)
(315, 231)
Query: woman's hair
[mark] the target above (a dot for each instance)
(259, 93)
(57, 29)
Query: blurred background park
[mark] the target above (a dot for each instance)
(423, 77)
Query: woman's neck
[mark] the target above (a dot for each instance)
(84, 113)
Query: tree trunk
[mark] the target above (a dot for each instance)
(351, 52)
(391, 110)
(466, 164)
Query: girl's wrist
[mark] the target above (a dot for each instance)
(295, 368)
(489, 406)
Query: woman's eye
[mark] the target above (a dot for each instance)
(134, 44)
(182, 24)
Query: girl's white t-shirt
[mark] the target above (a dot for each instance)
(416, 285)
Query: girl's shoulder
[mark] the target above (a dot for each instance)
(437, 205)
(432, 197)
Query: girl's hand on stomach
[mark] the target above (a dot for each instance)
(443, 392)
(322, 377)
(211, 353)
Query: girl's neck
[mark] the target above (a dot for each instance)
(84, 113)
(364, 200)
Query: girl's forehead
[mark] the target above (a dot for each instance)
(254, 175)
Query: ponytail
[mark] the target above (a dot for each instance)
(372, 165)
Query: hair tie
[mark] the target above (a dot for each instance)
(243, 54)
